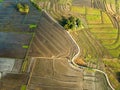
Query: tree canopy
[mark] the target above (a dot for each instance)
(70, 22)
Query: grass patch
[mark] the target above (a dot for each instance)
(107, 42)
(32, 26)
(77, 9)
(115, 52)
(93, 19)
(39, 0)
(23, 87)
(1, 1)
(105, 35)
(93, 11)
(23, 8)
(26, 61)
(35, 4)
(112, 67)
(25, 46)
(106, 19)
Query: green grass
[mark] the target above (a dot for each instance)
(61, 1)
(32, 26)
(105, 35)
(23, 87)
(39, 0)
(115, 52)
(93, 19)
(107, 42)
(112, 68)
(25, 46)
(26, 62)
(110, 1)
(101, 30)
(76, 9)
(1, 1)
(93, 11)
(106, 18)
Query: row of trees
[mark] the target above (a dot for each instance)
(71, 22)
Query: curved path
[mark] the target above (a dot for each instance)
(74, 64)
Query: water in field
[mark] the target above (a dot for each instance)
(6, 64)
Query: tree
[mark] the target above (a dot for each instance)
(70, 23)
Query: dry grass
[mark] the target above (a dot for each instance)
(80, 61)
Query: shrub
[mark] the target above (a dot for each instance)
(23, 8)
(71, 22)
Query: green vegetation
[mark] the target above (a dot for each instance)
(102, 28)
(23, 87)
(25, 46)
(71, 23)
(26, 61)
(34, 2)
(23, 8)
(1, 1)
(32, 26)
(112, 67)
(76, 9)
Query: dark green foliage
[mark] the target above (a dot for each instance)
(78, 22)
(70, 23)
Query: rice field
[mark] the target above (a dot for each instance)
(101, 27)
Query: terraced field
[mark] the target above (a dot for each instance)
(111, 11)
(103, 23)
(13, 81)
(55, 8)
(51, 52)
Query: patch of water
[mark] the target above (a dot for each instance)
(6, 64)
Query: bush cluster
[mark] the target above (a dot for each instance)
(23, 8)
(71, 22)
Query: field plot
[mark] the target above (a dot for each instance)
(91, 49)
(13, 81)
(102, 26)
(16, 33)
(11, 44)
(82, 3)
(55, 8)
(53, 39)
(6, 64)
(59, 75)
(12, 20)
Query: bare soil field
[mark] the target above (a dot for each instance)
(61, 76)
(53, 39)
(13, 81)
